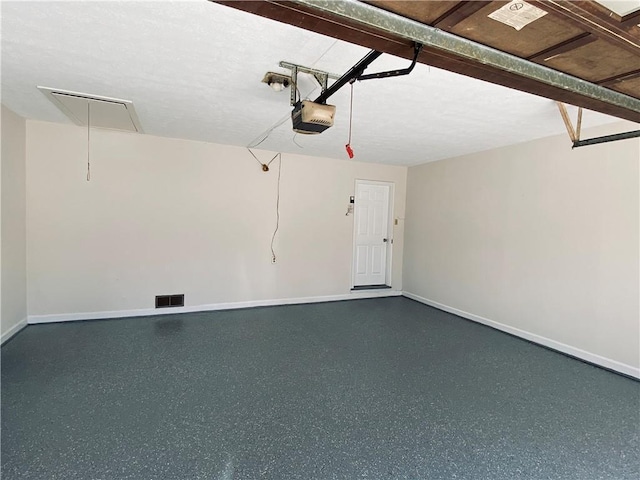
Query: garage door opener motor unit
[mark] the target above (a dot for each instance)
(311, 118)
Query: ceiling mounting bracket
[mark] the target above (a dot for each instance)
(357, 72)
(417, 47)
(574, 135)
(354, 73)
(321, 77)
(606, 138)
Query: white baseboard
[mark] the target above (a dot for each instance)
(143, 312)
(532, 337)
(13, 330)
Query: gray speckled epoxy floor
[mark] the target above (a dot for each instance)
(378, 389)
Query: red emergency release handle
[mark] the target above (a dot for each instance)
(349, 150)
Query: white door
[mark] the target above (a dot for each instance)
(372, 241)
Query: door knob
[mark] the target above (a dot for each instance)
(385, 240)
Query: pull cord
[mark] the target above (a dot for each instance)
(348, 145)
(88, 141)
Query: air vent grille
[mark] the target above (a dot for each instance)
(167, 301)
(321, 122)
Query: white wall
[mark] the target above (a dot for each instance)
(163, 216)
(538, 238)
(13, 312)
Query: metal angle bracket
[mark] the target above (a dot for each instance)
(357, 72)
(321, 77)
(417, 47)
(574, 135)
(606, 138)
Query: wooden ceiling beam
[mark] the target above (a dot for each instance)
(564, 47)
(607, 82)
(631, 19)
(310, 19)
(458, 13)
(483, 72)
(323, 21)
(589, 16)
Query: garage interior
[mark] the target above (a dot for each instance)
(442, 283)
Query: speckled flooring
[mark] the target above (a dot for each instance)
(379, 389)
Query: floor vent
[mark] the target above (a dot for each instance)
(166, 301)
(370, 287)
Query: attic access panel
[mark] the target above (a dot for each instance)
(105, 112)
(621, 7)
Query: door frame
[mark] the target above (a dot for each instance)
(390, 219)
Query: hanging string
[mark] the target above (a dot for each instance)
(348, 145)
(88, 141)
(274, 157)
(350, 113)
(273, 253)
(265, 166)
(254, 156)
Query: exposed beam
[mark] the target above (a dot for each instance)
(607, 82)
(564, 47)
(579, 125)
(458, 13)
(567, 121)
(597, 12)
(630, 19)
(574, 135)
(372, 27)
(587, 16)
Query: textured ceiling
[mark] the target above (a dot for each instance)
(193, 71)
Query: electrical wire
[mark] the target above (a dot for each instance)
(265, 166)
(274, 157)
(264, 135)
(273, 237)
(325, 52)
(257, 160)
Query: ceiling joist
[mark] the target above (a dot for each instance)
(564, 47)
(619, 78)
(596, 19)
(458, 13)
